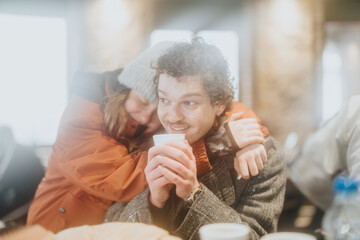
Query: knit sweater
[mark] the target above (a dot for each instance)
(256, 202)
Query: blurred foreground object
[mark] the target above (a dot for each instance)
(107, 231)
(342, 219)
(35, 232)
(116, 231)
(331, 150)
(20, 174)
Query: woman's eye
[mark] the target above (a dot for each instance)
(144, 103)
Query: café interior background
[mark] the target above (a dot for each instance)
(294, 62)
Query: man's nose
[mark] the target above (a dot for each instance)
(175, 115)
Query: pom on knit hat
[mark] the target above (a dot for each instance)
(139, 75)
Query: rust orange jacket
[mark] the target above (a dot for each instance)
(89, 170)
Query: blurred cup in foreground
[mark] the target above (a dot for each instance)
(224, 231)
(288, 236)
(161, 139)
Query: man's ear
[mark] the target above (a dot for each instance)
(219, 108)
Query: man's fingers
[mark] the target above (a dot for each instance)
(171, 147)
(183, 146)
(158, 160)
(161, 181)
(175, 166)
(183, 155)
(152, 174)
(171, 176)
(151, 165)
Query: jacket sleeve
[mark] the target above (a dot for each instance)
(137, 210)
(258, 204)
(91, 159)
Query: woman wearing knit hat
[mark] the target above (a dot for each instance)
(90, 165)
(99, 155)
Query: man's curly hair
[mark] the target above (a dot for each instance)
(199, 58)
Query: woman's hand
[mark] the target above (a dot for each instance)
(251, 157)
(250, 160)
(244, 131)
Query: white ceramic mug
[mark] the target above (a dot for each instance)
(288, 236)
(224, 231)
(161, 139)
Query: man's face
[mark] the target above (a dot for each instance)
(184, 107)
(143, 111)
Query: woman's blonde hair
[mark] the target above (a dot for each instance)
(115, 120)
(115, 114)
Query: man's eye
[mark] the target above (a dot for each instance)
(163, 100)
(190, 103)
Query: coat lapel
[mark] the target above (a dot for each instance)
(220, 181)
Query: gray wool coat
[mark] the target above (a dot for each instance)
(256, 202)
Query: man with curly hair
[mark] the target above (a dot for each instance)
(195, 92)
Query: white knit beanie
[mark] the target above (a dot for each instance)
(139, 75)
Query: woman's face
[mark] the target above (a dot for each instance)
(143, 111)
